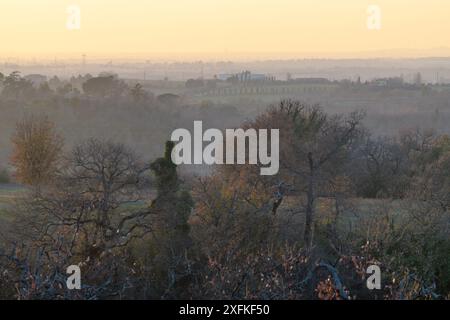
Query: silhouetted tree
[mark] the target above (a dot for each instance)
(172, 206)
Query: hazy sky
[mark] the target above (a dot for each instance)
(223, 28)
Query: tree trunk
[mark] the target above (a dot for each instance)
(310, 197)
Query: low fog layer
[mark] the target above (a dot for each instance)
(143, 113)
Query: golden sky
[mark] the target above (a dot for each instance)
(216, 29)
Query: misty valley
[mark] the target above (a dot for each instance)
(229, 185)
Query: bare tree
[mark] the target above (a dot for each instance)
(96, 199)
(315, 148)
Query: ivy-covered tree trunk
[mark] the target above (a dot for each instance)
(172, 207)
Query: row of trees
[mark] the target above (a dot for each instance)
(14, 86)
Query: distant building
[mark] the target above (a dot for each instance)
(243, 76)
(311, 80)
(224, 76)
(395, 82)
(258, 76)
(380, 82)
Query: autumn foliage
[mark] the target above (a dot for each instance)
(37, 149)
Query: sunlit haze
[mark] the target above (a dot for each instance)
(223, 29)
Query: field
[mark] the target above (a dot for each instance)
(8, 194)
(356, 211)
